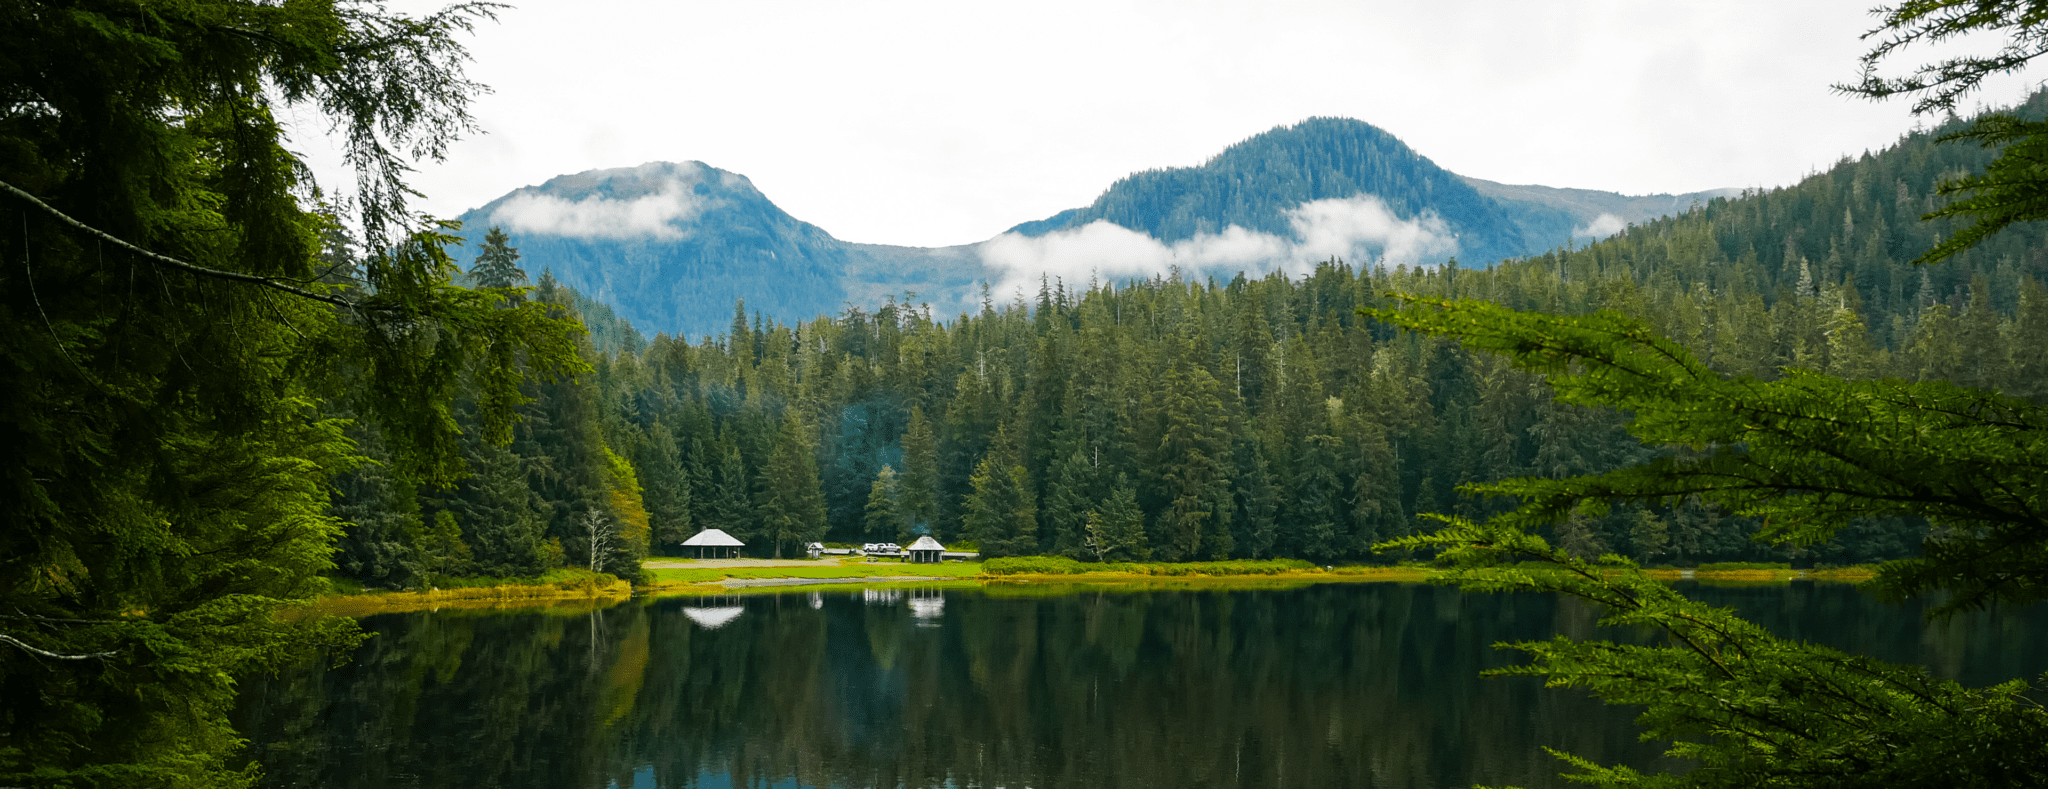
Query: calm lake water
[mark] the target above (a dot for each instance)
(1339, 685)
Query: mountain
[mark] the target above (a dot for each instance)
(1261, 184)
(1588, 213)
(672, 247)
(1256, 183)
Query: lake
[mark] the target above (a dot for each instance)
(1334, 685)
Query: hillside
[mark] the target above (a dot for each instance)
(1255, 183)
(672, 247)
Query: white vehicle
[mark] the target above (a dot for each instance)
(873, 547)
(890, 547)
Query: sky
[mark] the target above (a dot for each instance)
(939, 123)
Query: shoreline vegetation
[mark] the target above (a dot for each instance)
(577, 588)
(568, 586)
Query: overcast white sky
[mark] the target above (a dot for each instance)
(936, 123)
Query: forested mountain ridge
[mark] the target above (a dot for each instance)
(1584, 214)
(668, 244)
(672, 246)
(1176, 419)
(1253, 183)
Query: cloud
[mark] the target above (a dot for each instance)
(1361, 227)
(654, 213)
(1356, 228)
(1602, 226)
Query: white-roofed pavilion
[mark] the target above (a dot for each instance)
(926, 550)
(715, 544)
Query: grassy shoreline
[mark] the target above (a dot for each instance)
(561, 587)
(1024, 575)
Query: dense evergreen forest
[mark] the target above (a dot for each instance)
(1176, 419)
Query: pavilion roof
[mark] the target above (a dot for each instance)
(713, 538)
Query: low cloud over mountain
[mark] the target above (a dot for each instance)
(1357, 228)
(673, 246)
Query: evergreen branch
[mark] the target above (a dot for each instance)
(7, 639)
(267, 282)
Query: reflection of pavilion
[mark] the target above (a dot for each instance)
(713, 617)
(926, 605)
(880, 596)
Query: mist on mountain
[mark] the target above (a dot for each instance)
(672, 247)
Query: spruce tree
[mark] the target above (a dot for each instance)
(497, 262)
(920, 481)
(998, 512)
(1067, 504)
(1116, 531)
(1190, 459)
(790, 499)
(884, 515)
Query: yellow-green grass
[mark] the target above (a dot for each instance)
(568, 586)
(708, 589)
(1286, 573)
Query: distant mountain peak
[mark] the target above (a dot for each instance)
(654, 200)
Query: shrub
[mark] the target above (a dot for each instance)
(1033, 565)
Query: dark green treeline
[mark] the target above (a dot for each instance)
(560, 494)
(1175, 420)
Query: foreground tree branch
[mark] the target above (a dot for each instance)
(167, 260)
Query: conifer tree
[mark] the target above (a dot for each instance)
(497, 262)
(1258, 501)
(999, 512)
(920, 482)
(1067, 504)
(1116, 531)
(791, 500)
(168, 456)
(884, 513)
(667, 485)
(1810, 454)
(1191, 456)
(729, 505)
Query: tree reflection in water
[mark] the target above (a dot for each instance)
(1335, 685)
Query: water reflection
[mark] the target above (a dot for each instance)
(1341, 685)
(713, 617)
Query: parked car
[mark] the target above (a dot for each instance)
(872, 547)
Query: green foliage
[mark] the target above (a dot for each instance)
(884, 515)
(1000, 513)
(1808, 454)
(1061, 565)
(1034, 565)
(497, 262)
(2012, 189)
(187, 339)
(1751, 709)
(1116, 532)
(791, 508)
(1718, 566)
